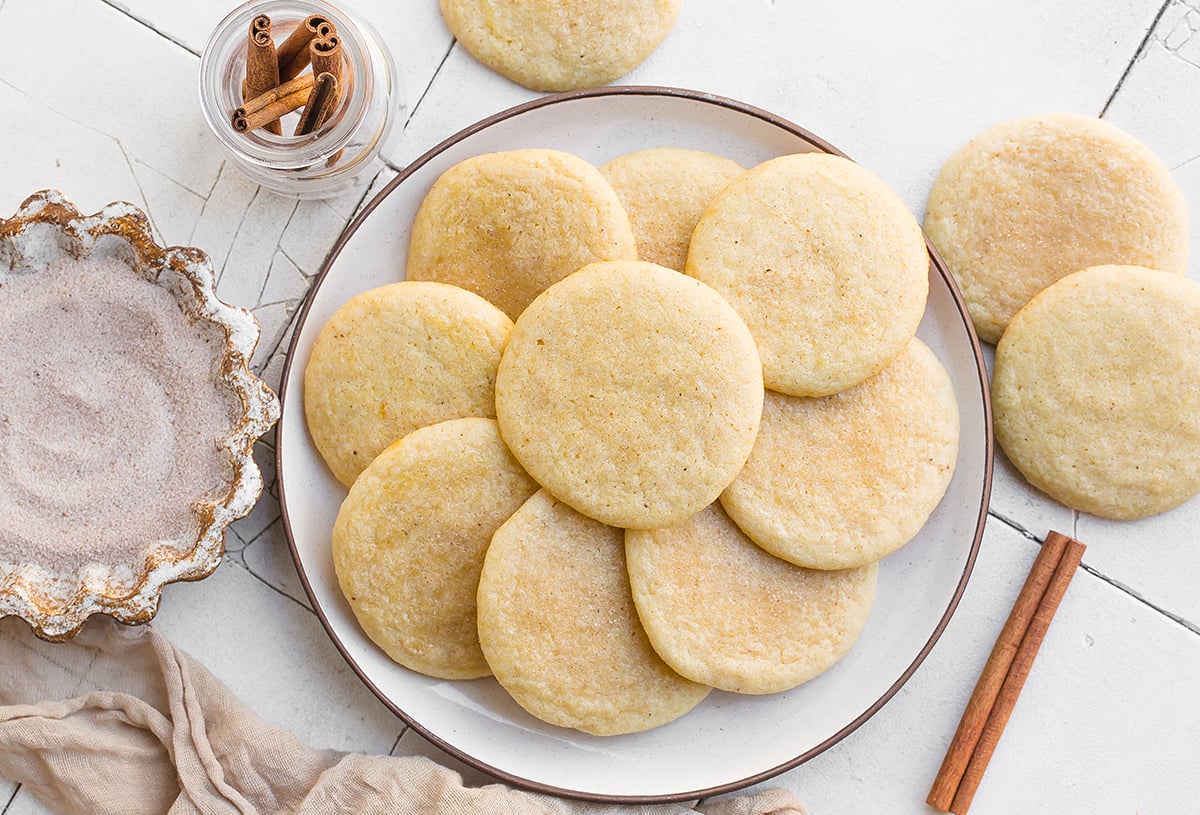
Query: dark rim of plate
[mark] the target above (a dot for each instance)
(688, 795)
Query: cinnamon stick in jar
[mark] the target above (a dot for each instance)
(262, 64)
(293, 54)
(326, 56)
(270, 113)
(304, 82)
(320, 102)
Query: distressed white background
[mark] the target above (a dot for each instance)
(98, 99)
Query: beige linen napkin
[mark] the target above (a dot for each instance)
(120, 721)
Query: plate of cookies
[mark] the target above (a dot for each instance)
(635, 445)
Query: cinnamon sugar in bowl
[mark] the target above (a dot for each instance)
(128, 415)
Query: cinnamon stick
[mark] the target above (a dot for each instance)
(272, 112)
(966, 737)
(319, 104)
(304, 82)
(293, 51)
(326, 56)
(262, 65)
(1006, 700)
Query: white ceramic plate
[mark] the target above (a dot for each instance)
(729, 741)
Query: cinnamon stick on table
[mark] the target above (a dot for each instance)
(293, 51)
(262, 65)
(1004, 675)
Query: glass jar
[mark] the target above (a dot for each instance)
(341, 154)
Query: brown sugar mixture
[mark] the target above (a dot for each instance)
(110, 416)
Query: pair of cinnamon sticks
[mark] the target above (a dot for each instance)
(274, 85)
(1004, 675)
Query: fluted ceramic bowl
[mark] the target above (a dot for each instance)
(54, 598)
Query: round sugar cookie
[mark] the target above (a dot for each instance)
(560, 45)
(558, 627)
(824, 263)
(631, 392)
(397, 358)
(723, 612)
(1034, 199)
(409, 541)
(1096, 391)
(840, 481)
(507, 225)
(665, 190)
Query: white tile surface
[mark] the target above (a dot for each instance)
(148, 104)
(274, 654)
(897, 86)
(1087, 735)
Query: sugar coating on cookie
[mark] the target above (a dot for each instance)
(840, 481)
(631, 392)
(1034, 199)
(665, 190)
(410, 538)
(1096, 391)
(723, 612)
(823, 261)
(397, 358)
(507, 225)
(559, 45)
(558, 627)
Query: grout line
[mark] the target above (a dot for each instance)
(1183, 163)
(147, 25)
(8, 804)
(1025, 533)
(1190, 626)
(242, 563)
(1141, 49)
(1094, 572)
(366, 191)
(429, 85)
(258, 300)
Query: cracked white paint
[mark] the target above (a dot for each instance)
(847, 73)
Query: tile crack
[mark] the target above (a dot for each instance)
(1117, 584)
(8, 804)
(1141, 49)
(146, 24)
(1022, 531)
(1094, 572)
(278, 248)
(42, 103)
(242, 563)
(428, 85)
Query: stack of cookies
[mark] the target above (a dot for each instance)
(1069, 239)
(628, 434)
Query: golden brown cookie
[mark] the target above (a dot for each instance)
(824, 263)
(1034, 199)
(631, 392)
(1096, 391)
(723, 612)
(409, 542)
(843, 480)
(507, 225)
(397, 358)
(665, 190)
(559, 630)
(559, 45)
